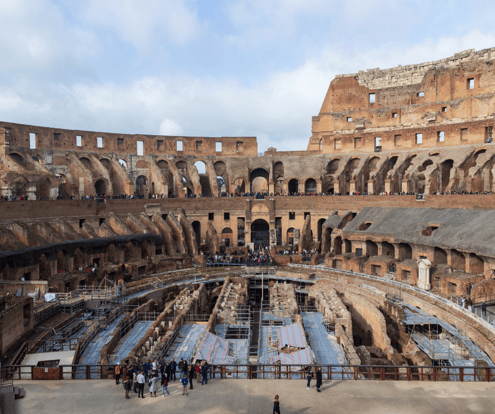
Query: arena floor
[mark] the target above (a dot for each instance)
(256, 396)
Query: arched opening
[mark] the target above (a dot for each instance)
(333, 166)
(310, 185)
(327, 240)
(239, 186)
(222, 177)
(293, 186)
(204, 178)
(128, 252)
(320, 228)
(259, 180)
(290, 236)
(347, 246)
(140, 184)
(100, 187)
(78, 259)
(476, 264)
(439, 256)
(86, 162)
(405, 251)
(181, 165)
(388, 249)
(19, 159)
(260, 233)
(44, 268)
(458, 261)
(112, 254)
(196, 225)
(123, 163)
(371, 248)
(43, 189)
(61, 262)
(445, 168)
(146, 251)
(337, 245)
(227, 235)
(106, 163)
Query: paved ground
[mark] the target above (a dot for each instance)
(256, 396)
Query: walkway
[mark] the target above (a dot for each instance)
(126, 344)
(256, 396)
(186, 342)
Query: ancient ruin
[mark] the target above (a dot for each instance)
(369, 254)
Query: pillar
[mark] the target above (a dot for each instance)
(370, 189)
(387, 186)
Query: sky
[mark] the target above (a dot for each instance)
(212, 68)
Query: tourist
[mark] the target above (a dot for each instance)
(276, 405)
(192, 372)
(173, 367)
(141, 381)
(181, 364)
(309, 377)
(127, 386)
(154, 384)
(198, 375)
(133, 380)
(168, 370)
(155, 365)
(184, 384)
(204, 373)
(164, 384)
(117, 374)
(483, 308)
(319, 379)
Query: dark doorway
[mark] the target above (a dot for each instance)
(293, 186)
(260, 232)
(100, 187)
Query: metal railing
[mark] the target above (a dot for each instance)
(287, 372)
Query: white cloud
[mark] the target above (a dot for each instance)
(143, 22)
(169, 127)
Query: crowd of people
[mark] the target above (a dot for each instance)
(160, 373)
(225, 258)
(260, 257)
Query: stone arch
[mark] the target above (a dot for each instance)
(259, 180)
(106, 163)
(278, 176)
(43, 188)
(79, 258)
(388, 249)
(140, 184)
(146, 250)
(290, 236)
(337, 245)
(458, 260)
(227, 236)
(445, 168)
(45, 271)
(61, 262)
(439, 256)
(327, 240)
(18, 158)
(86, 162)
(293, 186)
(476, 264)
(112, 253)
(123, 163)
(371, 248)
(196, 225)
(129, 252)
(260, 233)
(405, 251)
(181, 165)
(310, 186)
(100, 187)
(333, 166)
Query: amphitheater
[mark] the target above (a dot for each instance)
(371, 255)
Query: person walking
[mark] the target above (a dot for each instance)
(309, 377)
(141, 380)
(184, 384)
(164, 384)
(276, 405)
(127, 386)
(154, 384)
(192, 373)
(319, 379)
(117, 374)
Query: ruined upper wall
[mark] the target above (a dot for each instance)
(18, 136)
(413, 74)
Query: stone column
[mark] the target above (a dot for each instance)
(387, 186)
(336, 187)
(370, 187)
(352, 187)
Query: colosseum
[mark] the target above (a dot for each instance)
(370, 254)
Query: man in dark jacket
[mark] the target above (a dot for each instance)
(204, 373)
(173, 367)
(319, 379)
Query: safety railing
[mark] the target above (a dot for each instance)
(287, 372)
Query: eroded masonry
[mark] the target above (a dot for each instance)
(372, 248)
